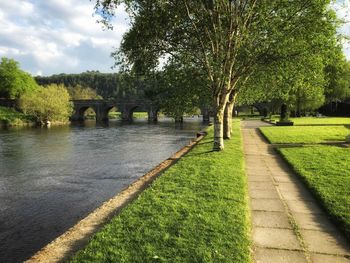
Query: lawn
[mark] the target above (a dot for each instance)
(326, 170)
(305, 134)
(197, 211)
(318, 121)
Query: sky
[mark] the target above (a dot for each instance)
(61, 36)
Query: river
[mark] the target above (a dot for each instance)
(52, 178)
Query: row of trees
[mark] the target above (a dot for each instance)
(303, 85)
(106, 85)
(250, 47)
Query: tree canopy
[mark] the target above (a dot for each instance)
(228, 40)
(50, 103)
(13, 81)
(80, 92)
(106, 85)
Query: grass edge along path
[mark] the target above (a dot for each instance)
(304, 134)
(197, 211)
(327, 178)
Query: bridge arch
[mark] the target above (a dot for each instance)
(79, 112)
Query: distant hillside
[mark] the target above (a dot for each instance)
(108, 85)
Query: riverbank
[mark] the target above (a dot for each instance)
(12, 118)
(196, 211)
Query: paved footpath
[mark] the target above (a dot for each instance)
(287, 223)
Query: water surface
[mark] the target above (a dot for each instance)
(52, 178)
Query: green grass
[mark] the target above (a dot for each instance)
(140, 115)
(305, 134)
(326, 170)
(197, 211)
(317, 121)
(320, 121)
(12, 117)
(136, 115)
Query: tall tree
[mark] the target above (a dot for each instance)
(227, 39)
(338, 77)
(177, 89)
(13, 81)
(298, 83)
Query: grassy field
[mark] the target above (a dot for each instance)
(305, 134)
(12, 117)
(197, 211)
(317, 121)
(321, 121)
(326, 170)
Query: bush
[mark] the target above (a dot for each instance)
(51, 103)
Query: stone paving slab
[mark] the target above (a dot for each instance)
(275, 238)
(272, 205)
(321, 258)
(259, 193)
(311, 221)
(257, 178)
(304, 206)
(325, 242)
(264, 255)
(288, 225)
(261, 185)
(270, 219)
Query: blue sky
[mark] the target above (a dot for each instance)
(62, 36)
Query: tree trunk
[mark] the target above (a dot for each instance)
(227, 126)
(218, 130)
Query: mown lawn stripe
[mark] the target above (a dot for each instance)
(197, 211)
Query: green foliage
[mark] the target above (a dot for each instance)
(178, 90)
(197, 211)
(51, 103)
(228, 40)
(338, 76)
(12, 117)
(321, 121)
(106, 85)
(305, 134)
(79, 92)
(13, 81)
(326, 170)
(300, 83)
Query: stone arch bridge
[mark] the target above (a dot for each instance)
(102, 108)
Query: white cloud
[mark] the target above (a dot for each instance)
(54, 36)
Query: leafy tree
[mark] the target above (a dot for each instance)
(79, 92)
(51, 103)
(298, 83)
(227, 39)
(177, 89)
(107, 85)
(338, 77)
(13, 81)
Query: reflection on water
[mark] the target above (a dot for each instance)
(51, 178)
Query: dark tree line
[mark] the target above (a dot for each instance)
(107, 85)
